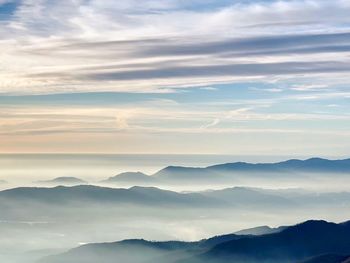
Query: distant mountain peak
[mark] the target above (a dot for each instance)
(131, 177)
(64, 180)
(144, 188)
(312, 224)
(260, 230)
(68, 179)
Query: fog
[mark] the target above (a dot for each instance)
(24, 169)
(47, 220)
(27, 169)
(29, 224)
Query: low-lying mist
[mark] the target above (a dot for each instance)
(35, 219)
(93, 205)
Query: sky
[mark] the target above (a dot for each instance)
(175, 76)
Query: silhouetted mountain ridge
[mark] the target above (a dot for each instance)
(305, 242)
(308, 165)
(225, 171)
(91, 193)
(242, 197)
(292, 244)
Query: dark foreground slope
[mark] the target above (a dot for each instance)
(328, 258)
(293, 244)
(307, 242)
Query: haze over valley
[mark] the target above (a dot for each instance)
(41, 218)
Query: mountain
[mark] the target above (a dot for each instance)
(306, 242)
(128, 251)
(238, 197)
(221, 173)
(3, 182)
(260, 230)
(229, 198)
(328, 258)
(180, 173)
(136, 178)
(213, 241)
(293, 244)
(137, 251)
(63, 181)
(94, 194)
(309, 165)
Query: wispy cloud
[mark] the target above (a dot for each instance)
(253, 73)
(89, 46)
(176, 118)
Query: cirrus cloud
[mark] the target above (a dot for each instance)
(157, 46)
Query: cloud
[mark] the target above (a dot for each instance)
(208, 88)
(310, 87)
(2, 2)
(211, 124)
(157, 46)
(272, 90)
(147, 119)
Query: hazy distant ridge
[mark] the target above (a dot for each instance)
(227, 171)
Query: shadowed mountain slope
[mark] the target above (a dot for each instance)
(328, 258)
(290, 245)
(306, 242)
